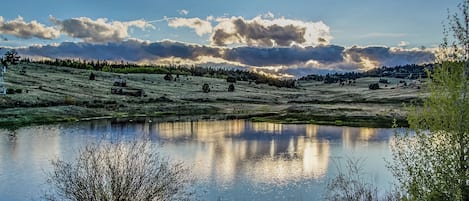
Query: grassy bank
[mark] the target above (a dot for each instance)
(48, 94)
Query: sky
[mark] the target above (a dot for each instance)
(292, 38)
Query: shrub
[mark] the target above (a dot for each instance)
(231, 88)
(10, 91)
(120, 171)
(18, 91)
(206, 88)
(168, 77)
(373, 86)
(69, 100)
(349, 185)
(92, 76)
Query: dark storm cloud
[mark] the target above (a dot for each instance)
(255, 56)
(389, 57)
(292, 60)
(181, 50)
(130, 50)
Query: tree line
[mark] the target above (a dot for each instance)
(200, 71)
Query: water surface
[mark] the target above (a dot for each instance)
(232, 160)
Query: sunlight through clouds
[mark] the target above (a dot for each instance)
(270, 32)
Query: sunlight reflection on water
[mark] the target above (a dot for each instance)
(232, 160)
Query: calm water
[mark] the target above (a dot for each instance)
(232, 160)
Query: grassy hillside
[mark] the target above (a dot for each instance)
(54, 94)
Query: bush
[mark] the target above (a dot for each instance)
(10, 91)
(168, 77)
(349, 185)
(231, 88)
(69, 100)
(206, 88)
(121, 171)
(373, 86)
(92, 76)
(18, 91)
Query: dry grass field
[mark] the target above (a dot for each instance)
(56, 94)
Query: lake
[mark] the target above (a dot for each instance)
(231, 160)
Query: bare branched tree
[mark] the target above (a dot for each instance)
(351, 185)
(121, 171)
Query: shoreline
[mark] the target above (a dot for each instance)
(52, 94)
(354, 121)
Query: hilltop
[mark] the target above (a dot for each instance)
(47, 94)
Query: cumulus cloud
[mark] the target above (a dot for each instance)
(200, 26)
(295, 60)
(269, 32)
(99, 30)
(18, 27)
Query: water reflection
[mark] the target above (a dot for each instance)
(263, 152)
(227, 154)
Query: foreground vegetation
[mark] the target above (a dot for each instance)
(120, 171)
(41, 93)
(431, 160)
(433, 163)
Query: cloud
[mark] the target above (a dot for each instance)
(284, 56)
(269, 32)
(200, 26)
(183, 12)
(294, 60)
(370, 57)
(18, 27)
(99, 30)
(130, 50)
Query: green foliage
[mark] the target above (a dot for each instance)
(433, 163)
(107, 68)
